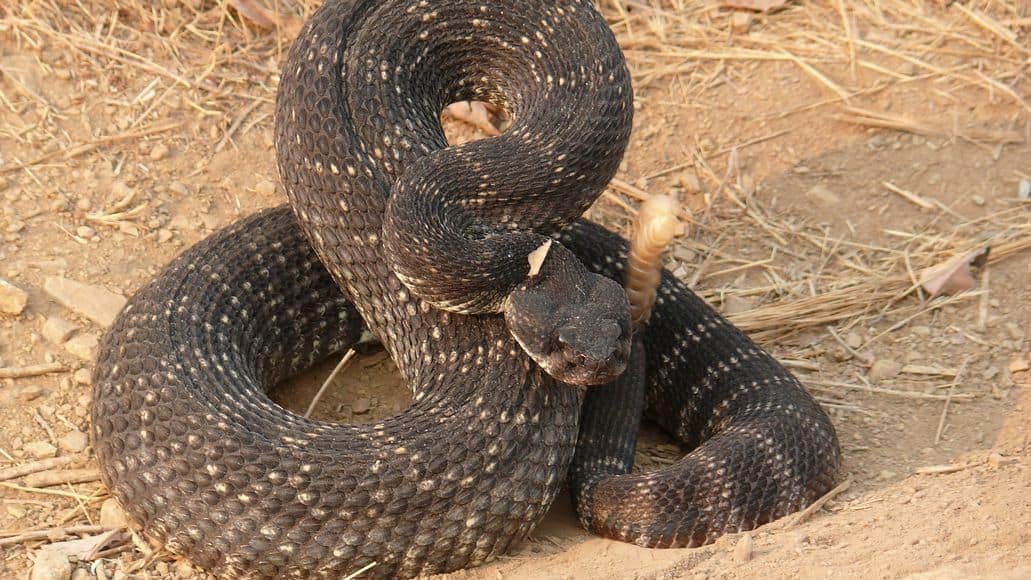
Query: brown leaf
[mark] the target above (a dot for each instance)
(754, 5)
(953, 275)
(86, 549)
(264, 18)
(536, 257)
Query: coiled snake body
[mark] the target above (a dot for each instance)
(191, 445)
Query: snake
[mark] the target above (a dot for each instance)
(524, 379)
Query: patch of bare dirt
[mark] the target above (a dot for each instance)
(829, 152)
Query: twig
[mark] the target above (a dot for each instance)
(52, 478)
(892, 392)
(36, 466)
(43, 491)
(53, 534)
(948, 400)
(938, 469)
(855, 354)
(45, 425)
(816, 505)
(909, 195)
(336, 370)
(360, 571)
(31, 370)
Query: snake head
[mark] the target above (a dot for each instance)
(573, 323)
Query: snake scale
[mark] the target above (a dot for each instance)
(192, 446)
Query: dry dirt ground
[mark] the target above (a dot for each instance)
(831, 152)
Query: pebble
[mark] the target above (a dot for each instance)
(740, 22)
(361, 405)
(73, 441)
(823, 195)
(1024, 189)
(854, 340)
(159, 152)
(266, 187)
(51, 565)
(884, 369)
(1019, 365)
(83, 346)
(12, 298)
(57, 330)
(85, 232)
(82, 377)
(30, 393)
(745, 548)
(922, 330)
(94, 302)
(112, 515)
(735, 304)
(164, 235)
(684, 255)
(1013, 330)
(40, 449)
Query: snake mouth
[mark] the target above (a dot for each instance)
(580, 371)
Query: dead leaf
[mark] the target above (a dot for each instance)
(264, 18)
(953, 275)
(754, 5)
(536, 257)
(476, 113)
(86, 549)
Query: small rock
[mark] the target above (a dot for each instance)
(684, 255)
(854, 340)
(82, 377)
(51, 565)
(823, 195)
(12, 298)
(361, 405)
(1019, 365)
(886, 474)
(266, 187)
(85, 232)
(16, 511)
(83, 346)
(73, 441)
(689, 182)
(884, 369)
(1024, 189)
(735, 304)
(745, 548)
(40, 449)
(94, 302)
(112, 515)
(164, 235)
(995, 460)
(977, 199)
(179, 188)
(1013, 330)
(740, 22)
(30, 393)
(57, 330)
(159, 152)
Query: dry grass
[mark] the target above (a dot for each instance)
(160, 66)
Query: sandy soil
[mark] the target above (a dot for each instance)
(128, 135)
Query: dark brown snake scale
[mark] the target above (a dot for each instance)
(192, 446)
